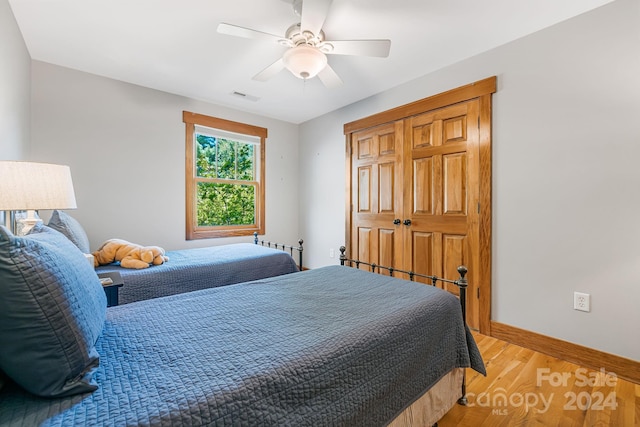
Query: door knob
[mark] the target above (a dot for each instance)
(396, 221)
(407, 222)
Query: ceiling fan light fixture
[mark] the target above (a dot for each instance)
(304, 61)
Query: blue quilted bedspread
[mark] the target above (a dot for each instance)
(201, 268)
(332, 346)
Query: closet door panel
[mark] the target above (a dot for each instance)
(365, 244)
(425, 248)
(376, 194)
(454, 182)
(423, 186)
(443, 186)
(454, 254)
(386, 188)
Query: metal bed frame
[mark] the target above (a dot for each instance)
(282, 247)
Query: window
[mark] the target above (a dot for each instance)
(224, 177)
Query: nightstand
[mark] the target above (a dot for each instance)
(111, 289)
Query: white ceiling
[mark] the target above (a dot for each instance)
(173, 45)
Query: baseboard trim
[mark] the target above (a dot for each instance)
(624, 368)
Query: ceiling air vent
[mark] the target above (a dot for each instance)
(244, 96)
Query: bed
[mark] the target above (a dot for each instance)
(191, 269)
(333, 346)
(201, 268)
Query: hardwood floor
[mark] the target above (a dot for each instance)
(527, 388)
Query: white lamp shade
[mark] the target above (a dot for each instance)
(34, 186)
(304, 61)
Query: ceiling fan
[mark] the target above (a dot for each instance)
(306, 56)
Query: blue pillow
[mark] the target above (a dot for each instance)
(52, 311)
(70, 227)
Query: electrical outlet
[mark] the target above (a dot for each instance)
(581, 301)
(332, 253)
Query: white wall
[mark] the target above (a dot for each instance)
(15, 83)
(125, 145)
(566, 141)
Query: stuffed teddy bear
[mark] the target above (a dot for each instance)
(129, 254)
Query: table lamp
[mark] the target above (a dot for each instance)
(30, 186)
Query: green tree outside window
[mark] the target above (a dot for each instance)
(219, 202)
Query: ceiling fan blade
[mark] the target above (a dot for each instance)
(379, 48)
(247, 33)
(314, 13)
(270, 71)
(329, 78)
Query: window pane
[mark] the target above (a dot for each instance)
(225, 204)
(246, 169)
(224, 158)
(206, 156)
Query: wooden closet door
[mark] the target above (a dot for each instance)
(441, 176)
(376, 195)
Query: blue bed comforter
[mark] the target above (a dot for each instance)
(332, 346)
(201, 268)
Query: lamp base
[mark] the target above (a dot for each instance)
(25, 224)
